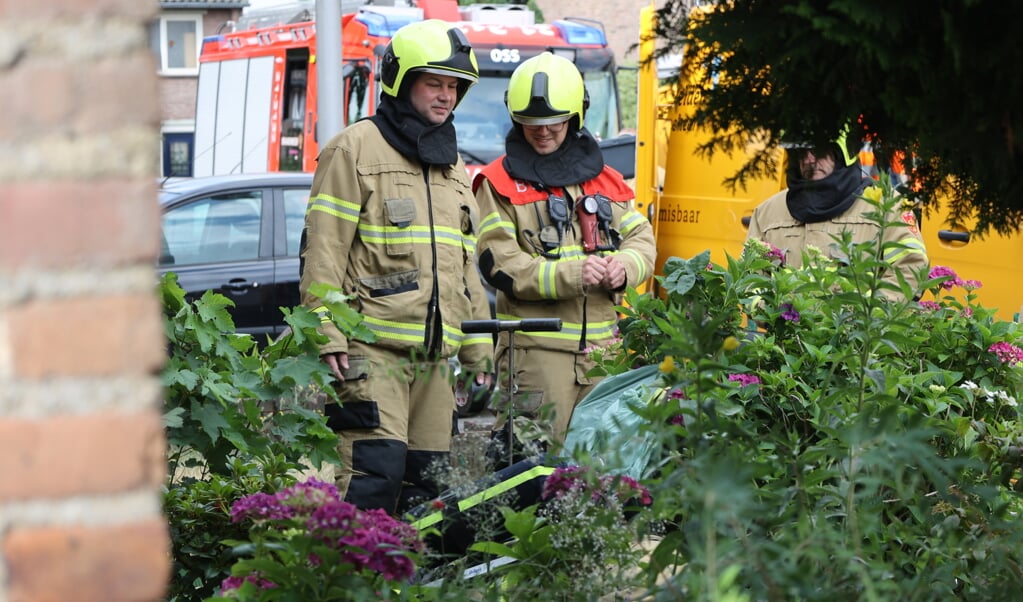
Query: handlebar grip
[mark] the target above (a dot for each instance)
(540, 325)
(525, 325)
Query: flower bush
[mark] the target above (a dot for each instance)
(239, 420)
(305, 543)
(577, 544)
(826, 436)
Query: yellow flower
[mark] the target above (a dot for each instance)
(873, 193)
(667, 365)
(730, 344)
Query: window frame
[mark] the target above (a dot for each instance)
(160, 32)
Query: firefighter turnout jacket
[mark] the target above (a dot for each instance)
(389, 236)
(905, 251)
(537, 263)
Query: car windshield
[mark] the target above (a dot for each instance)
(481, 129)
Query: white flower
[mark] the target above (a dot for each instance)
(969, 386)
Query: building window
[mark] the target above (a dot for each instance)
(177, 41)
(177, 154)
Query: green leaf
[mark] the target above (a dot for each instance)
(174, 418)
(494, 548)
(210, 418)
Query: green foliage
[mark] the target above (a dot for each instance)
(627, 93)
(577, 545)
(239, 418)
(821, 440)
(918, 72)
(219, 386)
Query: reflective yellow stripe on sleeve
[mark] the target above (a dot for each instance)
(345, 210)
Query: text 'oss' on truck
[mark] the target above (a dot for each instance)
(683, 194)
(257, 93)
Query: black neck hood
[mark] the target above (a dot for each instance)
(405, 129)
(811, 201)
(577, 160)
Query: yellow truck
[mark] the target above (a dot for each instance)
(692, 211)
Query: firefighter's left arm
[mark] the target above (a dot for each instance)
(637, 251)
(477, 351)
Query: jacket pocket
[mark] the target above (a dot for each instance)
(356, 415)
(400, 215)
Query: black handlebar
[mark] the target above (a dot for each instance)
(524, 325)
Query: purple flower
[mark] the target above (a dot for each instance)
(744, 379)
(940, 271)
(368, 539)
(678, 419)
(334, 516)
(1007, 353)
(930, 305)
(309, 495)
(260, 506)
(379, 551)
(789, 313)
(775, 254)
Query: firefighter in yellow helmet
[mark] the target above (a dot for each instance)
(560, 237)
(393, 223)
(824, 198)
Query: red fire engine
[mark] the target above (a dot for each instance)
(256, 99)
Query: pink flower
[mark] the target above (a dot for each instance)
(235, 582)
(1007, 353)
(940, 271)
(744, 380)
(930, 305)
(564, 480)
(627, 488)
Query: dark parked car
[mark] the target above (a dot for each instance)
(237, 235)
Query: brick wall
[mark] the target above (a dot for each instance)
(81, 441)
